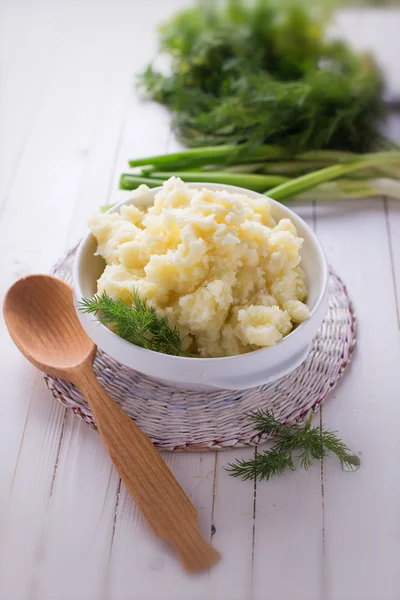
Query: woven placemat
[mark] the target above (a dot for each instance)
(196, 420)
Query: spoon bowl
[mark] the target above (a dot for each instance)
(42, 321)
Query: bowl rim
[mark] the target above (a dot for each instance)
(206, 360)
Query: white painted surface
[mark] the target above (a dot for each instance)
(69, 120)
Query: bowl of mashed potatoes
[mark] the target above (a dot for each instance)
(241, 277)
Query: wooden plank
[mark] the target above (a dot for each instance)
(24, 74)
(22, 524)
(234, 526)
(79, 521)
(392, 213)
(289, 522)
(288, 537)
(142, 566)
(360, 535)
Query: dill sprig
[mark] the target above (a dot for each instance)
(137, 323)
(304, 444)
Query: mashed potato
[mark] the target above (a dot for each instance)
(217, 263)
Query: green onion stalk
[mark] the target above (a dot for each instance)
(345, 190)
(216, 155)
(131, 182)
(294, 187)
(257, 183)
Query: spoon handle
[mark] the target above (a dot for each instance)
(148, 479)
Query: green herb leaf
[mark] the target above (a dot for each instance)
(304, 444)
(138, 323)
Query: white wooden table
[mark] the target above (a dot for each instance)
(69, 119)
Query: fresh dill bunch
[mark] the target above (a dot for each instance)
(137, 323)
(304, 444)
(265, 72)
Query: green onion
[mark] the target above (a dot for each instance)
(294, 187)
(131, 182)
(106, 207)
(257, 183)
(209, 155)
(234, 168)
(332, 156)
(287, 168)
(345, 189)
(293, 167)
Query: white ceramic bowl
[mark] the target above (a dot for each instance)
(233, 372)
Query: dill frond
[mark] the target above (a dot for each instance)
(137, 323)
(303, 445)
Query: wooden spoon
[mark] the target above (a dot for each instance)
(41, 318)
